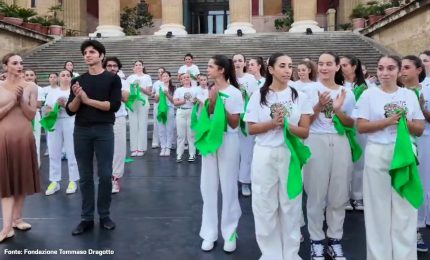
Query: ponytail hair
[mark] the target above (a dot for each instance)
(418, 64)
(260, 62)
(358, 72)
(269, 80)
(227, 64)
(338, 77)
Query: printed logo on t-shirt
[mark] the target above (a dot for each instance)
(283, 108)
(395, 107)
(328, 109)
(188, 96)
(243, 89)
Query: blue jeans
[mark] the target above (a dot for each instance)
(98, 140)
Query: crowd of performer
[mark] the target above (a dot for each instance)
(349, 140)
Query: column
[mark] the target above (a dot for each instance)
(109, 18)
(240, 17)
(304, 16)
(74, 15)
(171, 18)
(344, 10)
(331, 19)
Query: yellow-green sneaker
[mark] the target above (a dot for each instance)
(52, 188)
(71, 188)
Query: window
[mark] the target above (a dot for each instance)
(33, 3)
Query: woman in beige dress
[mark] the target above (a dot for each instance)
(19, 174)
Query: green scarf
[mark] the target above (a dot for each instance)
(300, 155)
(405, 178)
(210, 131)
(359, 90)
(162, 107)
(48, 122)
(417, 92)
(242, 123)
(32, 124)
(194, 116)
(135, 95)
(356, 150)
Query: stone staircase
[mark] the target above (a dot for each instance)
(156, 51)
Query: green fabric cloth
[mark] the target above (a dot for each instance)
(350, 133)
(163, 108)
(210, 130)
(135, 95)
(194, 116)
(32, 124)
(300, 154)
(128, 160)
(417, 92)
(404, 173)
(242, 123)
(48, 122)
(359, 90)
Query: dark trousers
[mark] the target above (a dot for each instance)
(98, 140)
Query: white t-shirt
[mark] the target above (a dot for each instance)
(122, 111)
(188, 94)
(305, 87)
(426, 94)
(164, 88)
(53, 95)
(376, 104)
(261, 82)
(203, 94)
(40, 94)
(233, 104)
(193, 70)
(247, 83)
(323, 124)
(258, 113)
(144, 82)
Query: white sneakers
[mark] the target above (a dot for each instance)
(71, 188)
(115, 185)
(165, 152)
(52, 188)
(137, 153)
(230, 246)
(207, 245)
(246, 189)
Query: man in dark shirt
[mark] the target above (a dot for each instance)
(95, 97)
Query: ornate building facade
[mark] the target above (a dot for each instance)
(198, 16)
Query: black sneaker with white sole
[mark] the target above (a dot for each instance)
(317, 250)
(335, 250)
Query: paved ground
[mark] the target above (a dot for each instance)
(158, 216)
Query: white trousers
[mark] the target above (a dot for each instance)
(357, 172)
(63, 133)
(183, 126)
(424, 168)
(166, 131)
(390, 220)
(37, 133)
(139, 127)
(120, 146)
(155, 135)
(221, 168)
(246, 146)
(277, 218)
(326, 180)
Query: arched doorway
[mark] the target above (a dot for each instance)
(206, 16)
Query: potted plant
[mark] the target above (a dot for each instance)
(358, 17)
(284, 24)
(11, 14)
(37, 21)
(2, 5)
(56, 25)
(25, 14)
(375, 11)
(45, 26)
(391, 7)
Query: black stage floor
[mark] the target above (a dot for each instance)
(158, 216)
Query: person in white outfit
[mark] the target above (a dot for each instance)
(113, 65)
(184, 98)
(277, 217)
(248, 84)
(139, 116)
(354, 78)
(53, 83)
(257, 68)
(166, 130)
(327, 174)
(63, 134)
(390, 219)
(155, 85)
(425, 58)
(189, 68)
(68, 65)
(412, 73)
(222, 166)
(30, 75)
(307, 73)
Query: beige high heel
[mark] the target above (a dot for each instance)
(20, 224)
